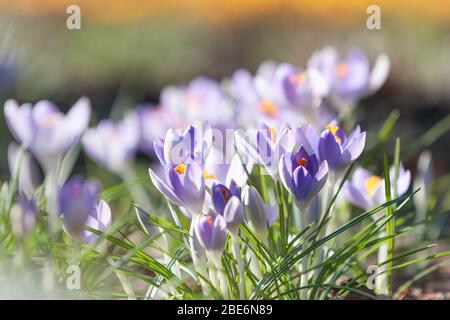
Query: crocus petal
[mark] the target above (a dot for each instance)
(19, 120)
(356, 197)
(379, 74)
(330, 149)
(233, 214)
(354, 149)
(164, 188)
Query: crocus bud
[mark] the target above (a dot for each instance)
(210, 229)
(23, 216)
(77, 200)
(233, 214)
(258, 213)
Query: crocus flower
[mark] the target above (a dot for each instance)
(227, 203)
(77, 200)
(266, 146)
(23, 216)
(113, 145)
(154, 121)
(366, 190)
(189, 146)
(350, 78)
(184, 185)
(210, 229)
(201, 100)
(100, 220)
(30, 176)
(259, 214)
(302, 176)
(45, 130)
(338, 149)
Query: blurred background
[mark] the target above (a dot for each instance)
(127, 50)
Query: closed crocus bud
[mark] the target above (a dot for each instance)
(184, 185)
(233, 214)
(338, 149)
(46, 131)
(77, 201)
(259, 214)
(100, 220)
(211, 231)
(30, 176)
(23, 216)
(302, 176)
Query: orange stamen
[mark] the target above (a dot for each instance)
(181, 168)
(268, 108)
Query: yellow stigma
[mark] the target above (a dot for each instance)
(268, 108)
(207, 176)
(334, 129)
(298, 78)
(302, 162)
(371, 184)
(342, 69)
(181, 169)
(273, 134)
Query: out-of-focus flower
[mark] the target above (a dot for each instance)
(338, 149)
(30, 176)
(423, 181)
(113, 145)
(154, 121)
(304, 89)
(366, 190)
(350, 78)
(23, 216)
(45, 130)
(77, 199)
(201, 100)
(302, 176)
(259, 214)
(210, 229)
(184, 185)
(190, 146)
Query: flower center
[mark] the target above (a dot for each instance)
(49, 120)
(192, 100)
(273, 134)
(371, 184)
(209, 219)
(225, 194)
(181, 168)
(302, 162)
(334, 129)
(298, 78)
(208, 176)
(268, 108)
(342, 69)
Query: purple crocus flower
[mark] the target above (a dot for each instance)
(45, 130)
(184, 185)
(338, 149)
(201, 100)
(266, 146)
(79, 208)
(302, 176)
(154, 121)
(23, 216)
(366, 190)
(227, 203)
(113, 145)
(259, 214)
(189, 146)
(221, 194)
(350, 78)
(211, 231)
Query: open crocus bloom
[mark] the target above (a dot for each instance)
(302, 176)
(189, 146)
(184, 185)
(350, 78)
(44, 130)
(113, 145)
(366, 190)
(338, 149)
